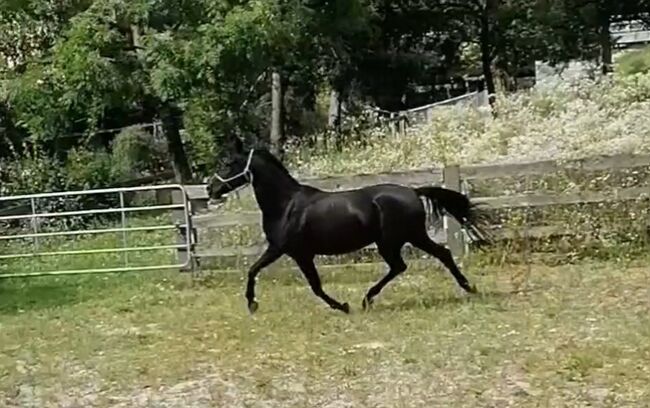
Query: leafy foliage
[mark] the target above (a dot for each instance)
(70, 68)
(634, 62)
(136, 153)
(571, 120)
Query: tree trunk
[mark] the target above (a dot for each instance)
(486, 58)
(171, 124)
(334, 116)
(8, 142)
(276, 114)
(605, 39)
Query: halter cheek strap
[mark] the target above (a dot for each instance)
(246, 173)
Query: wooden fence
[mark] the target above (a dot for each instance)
(453, 177)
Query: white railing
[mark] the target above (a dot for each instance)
(630, 32)
(181, 210)
(422, 114)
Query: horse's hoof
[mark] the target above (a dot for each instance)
(345, 308)
(366, 303)
(469, 288)
(253, 306)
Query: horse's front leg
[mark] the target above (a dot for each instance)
(268, 257)
(308, 269)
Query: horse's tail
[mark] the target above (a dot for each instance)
(459, 206)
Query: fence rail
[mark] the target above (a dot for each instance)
(37, 250)
(451, 234)
(194, 220)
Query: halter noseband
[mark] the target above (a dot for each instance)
(246, 173)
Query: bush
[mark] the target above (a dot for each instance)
(604, 116)
(86, 169)
(136, 152)
(34, 171)
(634, 62)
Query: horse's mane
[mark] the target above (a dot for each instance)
(269, 157)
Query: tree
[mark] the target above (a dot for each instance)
(207, 67)
(122, 62)
(595, 18)
(412, 46)
(509, 34)
(27, 31)
(29, 28)
(340, 33)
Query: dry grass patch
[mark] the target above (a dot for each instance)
(577, 336)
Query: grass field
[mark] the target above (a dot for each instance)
(569, 336)
(558, 337)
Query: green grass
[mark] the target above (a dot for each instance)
(558, 336)
(84, 242)
(634, 62)
(567, 336)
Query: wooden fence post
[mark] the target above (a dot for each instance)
(455, 241)
(277, 120)
(178, 217)
(402, 124)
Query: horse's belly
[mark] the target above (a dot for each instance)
(339, 237)
(340, 246)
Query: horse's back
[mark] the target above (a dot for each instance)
(399, 207)
(366, 202)
(395, 197)
(339, 222)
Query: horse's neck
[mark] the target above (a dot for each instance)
(273, 192)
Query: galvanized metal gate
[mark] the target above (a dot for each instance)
(24, 213)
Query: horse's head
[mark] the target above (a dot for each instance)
(238, 172)
(244, 166)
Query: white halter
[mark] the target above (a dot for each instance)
(244, 173)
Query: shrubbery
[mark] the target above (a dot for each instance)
(605, 116)
(134, 153)
(634, 62)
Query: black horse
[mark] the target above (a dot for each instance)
(302, 221)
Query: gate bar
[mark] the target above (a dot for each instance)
(91, 192)
(91, 212)
(92, 251)
(91, 232)
(123, 219)
(34, 224)
(184, 205)
(88, 271)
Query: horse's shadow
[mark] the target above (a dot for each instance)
(413, 303)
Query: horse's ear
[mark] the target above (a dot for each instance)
(239, 145)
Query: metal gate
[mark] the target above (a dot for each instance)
(23, 237)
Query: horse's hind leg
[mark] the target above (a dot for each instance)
(311, 274)
(393, 258)
(268, 257)
(444, 255)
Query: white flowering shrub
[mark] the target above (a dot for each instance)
(605, 116)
